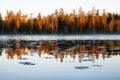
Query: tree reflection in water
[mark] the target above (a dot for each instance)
(83, 50)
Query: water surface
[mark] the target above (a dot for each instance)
(60, 59)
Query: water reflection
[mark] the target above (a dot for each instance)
(81, 67)
(83, 50)
(97, 65)
(26, 63)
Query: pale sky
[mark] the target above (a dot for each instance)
(49, 6)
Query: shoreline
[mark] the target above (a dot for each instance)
(61, 37)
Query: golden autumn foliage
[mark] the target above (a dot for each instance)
(61, 22)
(104, 19)
(39, 20)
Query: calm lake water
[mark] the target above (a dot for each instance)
(60, 60)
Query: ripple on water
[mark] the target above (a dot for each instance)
(27, 63)
(81, 67)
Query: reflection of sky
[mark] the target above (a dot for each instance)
(48, 6)
(50, 69)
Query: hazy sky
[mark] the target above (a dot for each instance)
(49, 6)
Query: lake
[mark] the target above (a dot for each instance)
(51, 58)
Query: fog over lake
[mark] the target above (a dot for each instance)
(60, 37)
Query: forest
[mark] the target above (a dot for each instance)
(61, 22)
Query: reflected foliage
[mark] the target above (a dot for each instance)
(81, 50)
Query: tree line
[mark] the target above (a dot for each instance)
(61, 22)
